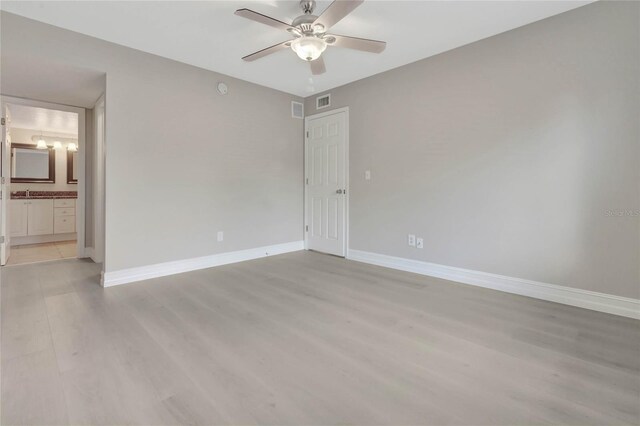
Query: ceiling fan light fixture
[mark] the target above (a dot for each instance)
(310, 37)
(308, 48)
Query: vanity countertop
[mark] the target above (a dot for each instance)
(35, 195)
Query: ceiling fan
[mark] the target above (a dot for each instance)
(310, 33)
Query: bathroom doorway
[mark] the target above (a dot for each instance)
(43, 168)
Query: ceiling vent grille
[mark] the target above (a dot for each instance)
(323, 101)
(297, 109)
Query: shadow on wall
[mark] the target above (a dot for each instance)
(37, 79)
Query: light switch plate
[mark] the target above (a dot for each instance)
(411, 240)
(420, 243)
(220, 236)
(367, 175)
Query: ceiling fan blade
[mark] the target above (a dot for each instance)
(267, 51)
(317, 66)
(263, 19)
(364, 44)
(336, 11)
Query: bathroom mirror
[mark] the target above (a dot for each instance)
(30, 164)
(72, 167)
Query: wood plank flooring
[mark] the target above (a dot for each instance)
(304, 339)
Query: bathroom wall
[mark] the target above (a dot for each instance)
(24, 136)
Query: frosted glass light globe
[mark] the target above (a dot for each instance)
(308, 48)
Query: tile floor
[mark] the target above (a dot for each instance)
(40, 252)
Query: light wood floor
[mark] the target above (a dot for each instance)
(304, 339)
(31, 253)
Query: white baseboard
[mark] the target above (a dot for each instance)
(88, 253)
(602, 302)
(179, 266)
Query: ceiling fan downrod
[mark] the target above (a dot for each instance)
(307, 6)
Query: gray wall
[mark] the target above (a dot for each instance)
(508, 155)
(182, 162)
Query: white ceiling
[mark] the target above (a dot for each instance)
(207, 34)
(43, 120)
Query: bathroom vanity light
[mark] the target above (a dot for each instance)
(57, 143)
(42, 144)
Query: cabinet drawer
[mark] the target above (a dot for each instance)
(64, 211)
(64, 202)
(64, 224)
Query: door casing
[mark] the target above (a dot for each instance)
(5, 181)
(344, 110)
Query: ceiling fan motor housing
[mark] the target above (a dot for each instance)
(304, 24)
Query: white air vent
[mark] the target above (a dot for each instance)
(323, 101)
(297, 109)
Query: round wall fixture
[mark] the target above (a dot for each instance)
(222, 88)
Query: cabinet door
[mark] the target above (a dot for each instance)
(18, 217)
(40, 217)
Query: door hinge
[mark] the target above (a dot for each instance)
(3, 121)
(306, 228)
(307, 130)
(2, 180)
(307, 181)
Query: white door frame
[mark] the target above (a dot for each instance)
(344, 110)
(98, 179)
(5, 179)
(82, 143)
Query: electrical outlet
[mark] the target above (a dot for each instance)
(420, 243)
(367, 175)
(411, 240)
(220, 236)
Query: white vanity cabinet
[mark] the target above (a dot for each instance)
(42, 217)
(31, 217)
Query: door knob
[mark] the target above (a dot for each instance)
(339, 191)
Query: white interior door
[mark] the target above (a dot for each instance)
(326, 183)
(5, 181)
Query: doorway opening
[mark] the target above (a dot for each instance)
(43, 167)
